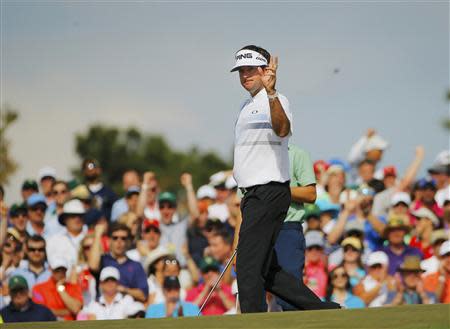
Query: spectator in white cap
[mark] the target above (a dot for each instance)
(426, 222)
(46, 178)
(67, 243)
(62, 296)
(440, 173)
(370, 146)
(374, 288)
(315, 274)
(439, 282)
(431, 264)
(112, 305)
(219, 208)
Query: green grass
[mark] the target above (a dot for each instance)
(403, 317)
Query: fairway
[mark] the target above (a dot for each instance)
(402, 317)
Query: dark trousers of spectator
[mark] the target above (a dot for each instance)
(264, 209)
(290, 249)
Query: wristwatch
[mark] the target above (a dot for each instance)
(272, 97)
(61, 288)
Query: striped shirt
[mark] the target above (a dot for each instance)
(260, 156)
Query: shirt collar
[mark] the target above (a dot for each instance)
(117, 298)
(261, 95)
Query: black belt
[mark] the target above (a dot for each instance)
(245, 190)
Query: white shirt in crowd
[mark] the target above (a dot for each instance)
(122, 307)
(65, 246)
(260, 156)
(369, 283)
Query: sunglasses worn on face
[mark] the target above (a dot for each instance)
(348, 248)
(36, 249)
(340, 275)
(123, 238)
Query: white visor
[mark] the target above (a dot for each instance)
(246, 57)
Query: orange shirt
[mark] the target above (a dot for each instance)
(45, 293)
(431, 282)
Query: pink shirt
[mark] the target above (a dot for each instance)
(316, 278)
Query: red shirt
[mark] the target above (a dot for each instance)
(45, 293)
(316, 278)
(427, 252)
(214, 306)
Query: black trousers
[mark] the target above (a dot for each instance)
(264, 209)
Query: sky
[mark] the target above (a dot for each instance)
(164, 68)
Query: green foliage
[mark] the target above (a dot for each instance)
(118, 150)
(8, 166)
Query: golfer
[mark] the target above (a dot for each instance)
(261, 169)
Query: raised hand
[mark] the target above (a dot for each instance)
(148, 177)
(186, 180)
(270, 75)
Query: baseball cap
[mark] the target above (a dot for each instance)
(389, 171)
(438, 235)
(109, 272)
(72, 207)
(326, 206)
(58, 262)
(311, 210)
(423, 212)
(377, 257)
(247, 57)
(17, 282)
(351, 241)
(35, 199)
(425, 183)
(343, 164)
(132, 190)
(396, 222)
(320, 166)
(206, 192)
(17, 208)
(30, 184)
(167, 197)
(209, 264)
(445, 248)
(218, 179)
(147, 223)
(376, 142)
(314, 238)
(400, 197)
(171, 282)
(46, 172)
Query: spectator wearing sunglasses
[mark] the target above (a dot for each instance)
(173, 227)
(18, 217)
(37, 207)
(61, 194)
(339, 289)
(34, 269)
(150, 237)
(352, 262)
(133, 280)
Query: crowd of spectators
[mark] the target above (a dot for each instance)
(77, 251)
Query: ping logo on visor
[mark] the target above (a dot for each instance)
(246, 57)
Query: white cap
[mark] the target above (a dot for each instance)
(377, 257)
(445, 248)
(109, 272)
(74, 206)
(46, 172)
(314, 238)
(218, 178)
(443, 158)
(206, 191)
(423, 212)
(230, 183)
(400, 197)
(57, 262)
(246, 57)
(376, 142)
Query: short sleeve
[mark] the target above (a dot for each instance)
(307, 176)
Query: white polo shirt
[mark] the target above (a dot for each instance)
(122, 307)
(260, 156)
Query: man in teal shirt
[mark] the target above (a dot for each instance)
(290, 245)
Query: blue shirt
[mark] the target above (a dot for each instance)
(159, 310)
(132, 274)
(31, 277)
(119, 207)
(351, 301)
(32, 313)
(371, 237)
